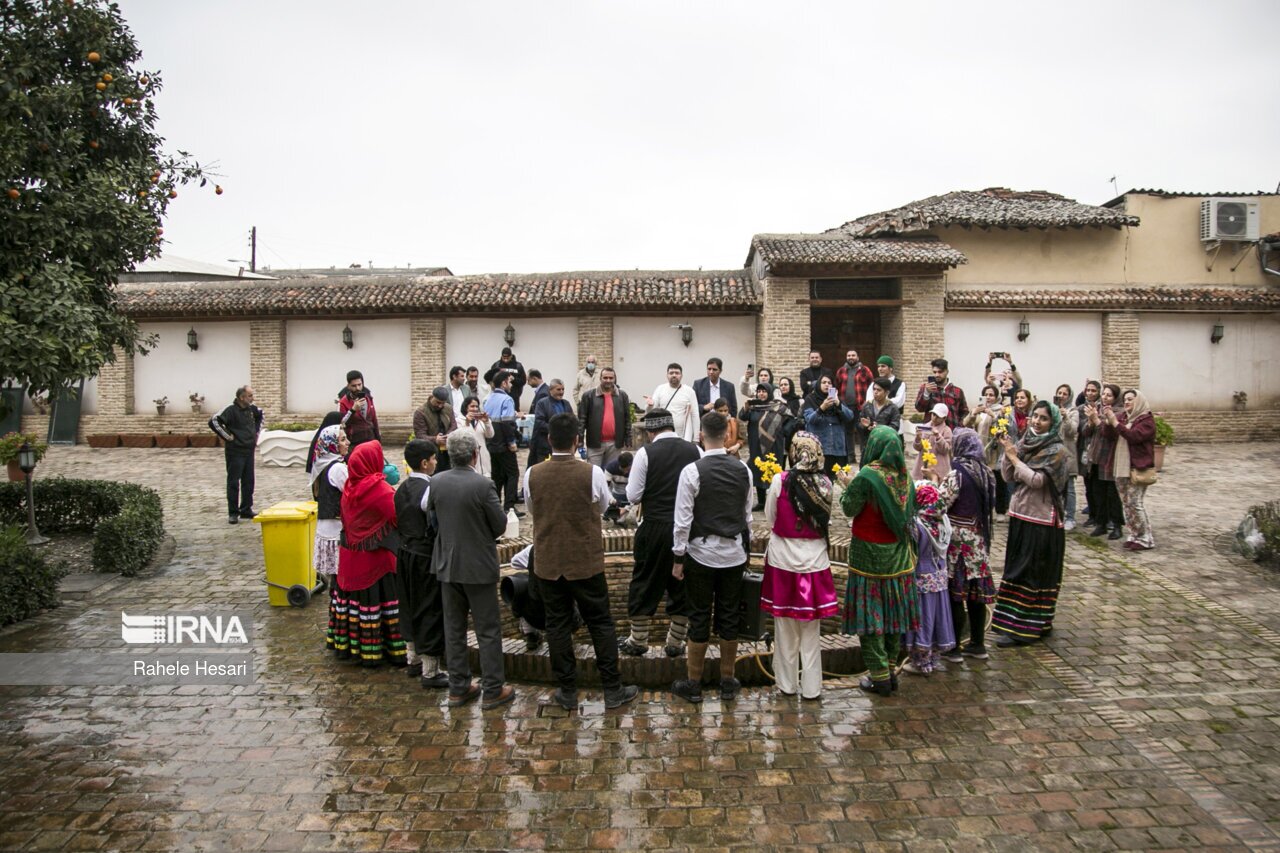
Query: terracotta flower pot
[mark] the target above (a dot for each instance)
(171, 440)
(137, 440)
(15, 473)
(206, 440)
(1159, 454)
(112, 440)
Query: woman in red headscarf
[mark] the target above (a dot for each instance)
(366, 599)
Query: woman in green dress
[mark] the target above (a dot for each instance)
(882, 601)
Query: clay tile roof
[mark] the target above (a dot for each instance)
(995, 207)
(1118, 201)
(780, 251)
(569, 291)
(1128, 298)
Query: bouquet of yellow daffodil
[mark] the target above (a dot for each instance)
(841, 469)
(768, 467)
(926, 455)
(1002, 423)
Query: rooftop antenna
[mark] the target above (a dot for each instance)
(1114, 186)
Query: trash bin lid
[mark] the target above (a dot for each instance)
(309, 507)
(281, 512)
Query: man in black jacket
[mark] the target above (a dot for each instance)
(242, 421)
(518, 377)
(605, 415)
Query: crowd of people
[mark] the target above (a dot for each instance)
(410, 567)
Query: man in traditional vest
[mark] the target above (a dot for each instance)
(421, 611)
(655, 472)
(710, 541)
(566, 497)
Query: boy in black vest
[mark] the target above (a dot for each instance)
(712, 529)
(422, 612)
(655, 471)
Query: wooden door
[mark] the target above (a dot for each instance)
(834, 331)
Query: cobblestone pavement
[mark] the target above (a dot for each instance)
(1150, 719)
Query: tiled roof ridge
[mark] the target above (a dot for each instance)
(1118, 297)
(999, 207)
(781, 251)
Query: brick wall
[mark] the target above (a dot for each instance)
(267, 365)
(595, 337)
(783, 330)
(921, 338)
(115, 386)
(1122, 349)
(426, 357)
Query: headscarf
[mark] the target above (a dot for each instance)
(368, 503)
(773, 417)
(325, 451)
(969, 463)
(1045, 451)
(1140, 408)
(791, 398)
(931, 517)
(808, 487)
(331, 419)
(884, 468)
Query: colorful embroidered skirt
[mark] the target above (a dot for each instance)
(364, 625)
(1028, 593)
(803, 596)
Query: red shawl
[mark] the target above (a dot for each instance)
(368, 515)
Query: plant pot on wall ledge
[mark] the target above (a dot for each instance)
(1159, 454)
(171, 440)
(112, 440)
(137, 440)
(15, 473)
(207, 439)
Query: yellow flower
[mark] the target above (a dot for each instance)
(835, 469)
(924, 443)
(929, 459)
(994, 430)
(1008, 410)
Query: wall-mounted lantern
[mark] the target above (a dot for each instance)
(348, 340)
(1024, 330)
(509, 335)
(193, 342)
(1217, 334)
(686, 332)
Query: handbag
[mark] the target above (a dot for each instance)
(1142, 476)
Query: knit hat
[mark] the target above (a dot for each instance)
(656, 419)
(885, 360)
(441, 393)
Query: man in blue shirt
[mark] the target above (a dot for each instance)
(501, 409)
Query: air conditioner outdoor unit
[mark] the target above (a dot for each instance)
(1231, 219)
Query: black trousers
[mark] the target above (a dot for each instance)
(591, 595)
(714, 595)
(506, 472)
(1002, 492)
(239, 484)
(421, 611)
(651, 576)
(1112, 507)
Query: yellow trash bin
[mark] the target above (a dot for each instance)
(288, 543)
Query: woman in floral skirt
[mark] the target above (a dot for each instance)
(933, 535)
(882, 600)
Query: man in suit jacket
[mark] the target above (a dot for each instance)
(710, 388)
(604, 413)
(469, 518)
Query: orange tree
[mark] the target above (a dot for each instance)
(84, 185)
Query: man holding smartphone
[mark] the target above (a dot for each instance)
(938, 388)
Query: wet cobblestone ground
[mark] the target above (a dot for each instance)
(1150, 719)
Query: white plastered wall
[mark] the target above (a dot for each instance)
(1061, 348)
(1183, 369)
(548, 344)
(317, 362)
(173, 370)
(644, 346)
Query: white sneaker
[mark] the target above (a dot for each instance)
(1069, 524)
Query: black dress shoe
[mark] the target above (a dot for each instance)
(233, 519)
(532, 641)
(616, 697)
(1116, 533)
(567, 699)
(882, 688)
(1100, 530)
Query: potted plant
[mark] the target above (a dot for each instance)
(286, 443)
(40, 402)
(9, 446)
(1239, 400)
(171, 440)
(197, 402)
(160, 402)
(1164, 438)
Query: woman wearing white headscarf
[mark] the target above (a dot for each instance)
(1135, 431)
(328, 476)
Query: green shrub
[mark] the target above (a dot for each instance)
(127, 520)
(28, 584)
(295, 426)
(11, 442)
(1164, 432)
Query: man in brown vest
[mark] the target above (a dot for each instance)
(566, 497)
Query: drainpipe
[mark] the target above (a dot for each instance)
(1266, 249)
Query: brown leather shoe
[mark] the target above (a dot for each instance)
(505, 695)
(457, 700)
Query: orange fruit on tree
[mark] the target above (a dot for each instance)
(143, 80)
(154, 179)
(107, 78)
(94, 56)
(173, 193)
(217, 190)
(93, 143)
(99, 86)
(142, 193)
(128, 102)
(14, 193)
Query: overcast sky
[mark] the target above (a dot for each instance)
(550, 136)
